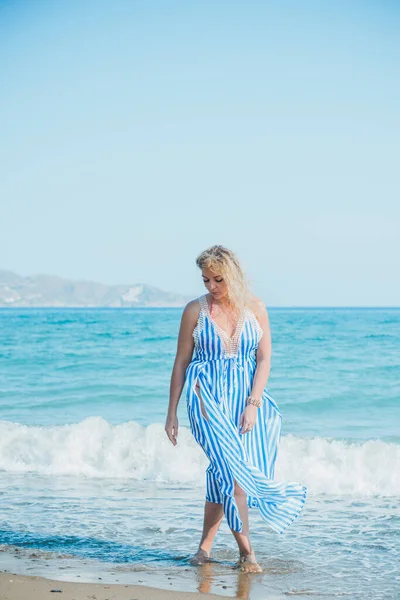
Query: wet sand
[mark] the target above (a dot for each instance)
(28, 587)
(32, 574)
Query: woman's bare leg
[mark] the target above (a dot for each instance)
(247, 560)
(213, 515)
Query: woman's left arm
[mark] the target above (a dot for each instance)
(264, 351)
(263, 365)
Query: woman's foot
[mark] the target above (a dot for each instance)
(248, 564)
(200, 558)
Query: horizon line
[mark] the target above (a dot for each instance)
(294, 307)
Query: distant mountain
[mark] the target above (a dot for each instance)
(49, 290)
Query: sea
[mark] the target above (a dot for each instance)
(91, 489)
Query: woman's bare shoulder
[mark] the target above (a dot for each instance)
(192, 310)
(257, 305)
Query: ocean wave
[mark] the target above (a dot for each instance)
(95, 448)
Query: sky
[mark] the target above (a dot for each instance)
(133, 135)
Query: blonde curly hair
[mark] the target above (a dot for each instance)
(223, 261)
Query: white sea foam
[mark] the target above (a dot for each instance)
(95, 448)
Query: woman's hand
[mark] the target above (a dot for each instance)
(171, 428)
(248, 418)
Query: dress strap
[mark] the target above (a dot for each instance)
(200, 321)
(256, 324)
(203, 304)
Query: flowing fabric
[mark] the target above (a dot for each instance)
(219, 379)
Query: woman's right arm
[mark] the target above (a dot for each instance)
(183, 357)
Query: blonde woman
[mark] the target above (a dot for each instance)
(231, 414)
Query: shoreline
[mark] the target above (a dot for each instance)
(33, 574)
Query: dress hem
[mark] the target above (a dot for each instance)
(289, 521)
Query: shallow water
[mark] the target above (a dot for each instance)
(87, 471)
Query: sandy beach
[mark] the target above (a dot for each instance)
(24, 587)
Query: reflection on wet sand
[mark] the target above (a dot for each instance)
(207, 579)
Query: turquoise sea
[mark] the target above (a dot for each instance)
(91, 487)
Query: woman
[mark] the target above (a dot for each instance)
(231, 414)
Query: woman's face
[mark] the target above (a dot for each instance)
(214, 283)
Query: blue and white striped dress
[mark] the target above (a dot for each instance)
(224, 368)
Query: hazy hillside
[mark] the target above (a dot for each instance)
(49, 290)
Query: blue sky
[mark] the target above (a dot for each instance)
(135, 134)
